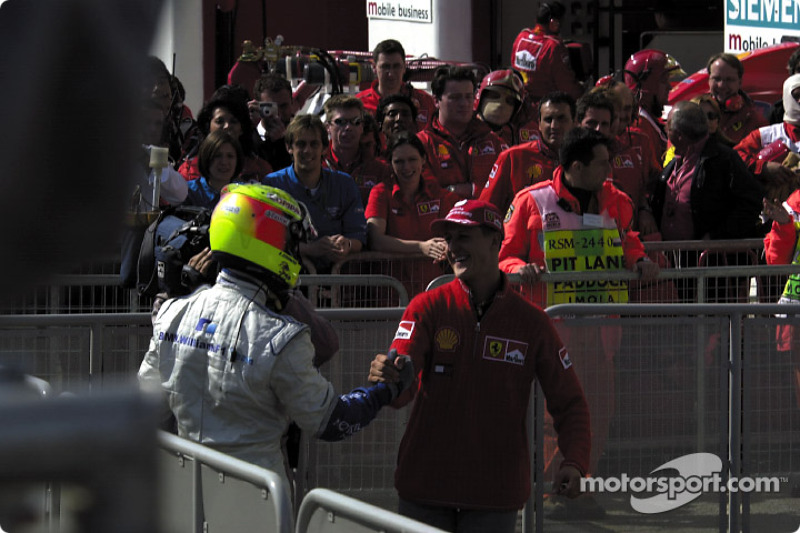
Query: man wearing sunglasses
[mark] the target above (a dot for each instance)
(345, 124)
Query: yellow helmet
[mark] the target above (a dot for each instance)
(258, 229)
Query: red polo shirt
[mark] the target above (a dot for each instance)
(409, 221)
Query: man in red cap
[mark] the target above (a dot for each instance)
(464, 463)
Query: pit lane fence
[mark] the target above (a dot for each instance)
(692, 272)
(666, 380)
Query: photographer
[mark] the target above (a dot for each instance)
(271, 111)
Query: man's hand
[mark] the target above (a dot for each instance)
(329, 247)
(648, 269)
(567, 482)
(531, 273)
(202, 262)
(775, 211)
(396, 371)
(343, 245)
(647, 222)
(775, 173)
(435, 248)
(275, 127)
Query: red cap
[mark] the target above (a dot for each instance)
(470, 213)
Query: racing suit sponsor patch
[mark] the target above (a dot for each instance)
(623, 161)
(446, 339)
(505, 350)
(563, 355)
(404, 329)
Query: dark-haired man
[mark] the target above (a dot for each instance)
(460, 148)
(471, 396)
(739, 113)
(578, 222)
(532, 162)
(389, 62)
(268, 140)
(332, 197)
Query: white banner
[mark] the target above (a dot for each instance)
(753, 24)
(405, 10)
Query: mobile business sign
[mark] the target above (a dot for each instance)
(753, 24)
(404, 10)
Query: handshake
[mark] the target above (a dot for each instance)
(394, 370)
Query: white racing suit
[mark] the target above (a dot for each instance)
(236, 373)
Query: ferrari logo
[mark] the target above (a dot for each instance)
(495, 348)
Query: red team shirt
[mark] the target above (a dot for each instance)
(545, 61)
(465, 160)
(517, 168)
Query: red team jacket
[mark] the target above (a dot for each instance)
(523, 225)
(465, 444)
(516, 168)
(545, 61)
(753, 143)
(740, 118)
(466, 160)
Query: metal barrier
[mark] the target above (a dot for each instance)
(698, 272)
(414, 271)
(325, 511)
(698, 277)
(667, 381)
(682, 379)
(205, 490)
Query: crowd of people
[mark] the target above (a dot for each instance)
(527, 171)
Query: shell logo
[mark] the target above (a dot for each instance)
(534, 172)
(446, 339)
(442, 150)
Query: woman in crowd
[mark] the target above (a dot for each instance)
(399, 213)
(231, 115)
(220, 163)
(710, 107)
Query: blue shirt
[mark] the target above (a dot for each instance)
(335, 209)
(201, 194)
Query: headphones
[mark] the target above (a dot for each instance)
(734, 103)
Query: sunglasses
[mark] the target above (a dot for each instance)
(712, 116)
(342, 122)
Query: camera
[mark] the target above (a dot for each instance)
(267, 109)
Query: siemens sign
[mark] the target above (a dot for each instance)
(764, 13)
(405, 10)
(752, 24)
